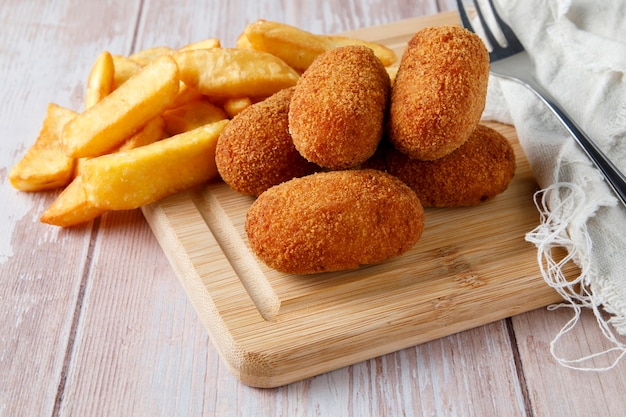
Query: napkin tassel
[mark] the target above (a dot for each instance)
(553, 233)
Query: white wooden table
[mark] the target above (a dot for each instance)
(95, 322)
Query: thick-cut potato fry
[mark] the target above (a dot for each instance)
(71, 207)
(234, 106)
(101, 79)
(131, 179)
(153, 131)
(100, 83)
(386, 55)
(243, 42)
(209, 43)
(123, 112)
(229, 72)
(192, 115)
(78, 166)
(185, 95)
(297, 47)
(45, 166)
(125, 68)
(145, 56)
(392, 71)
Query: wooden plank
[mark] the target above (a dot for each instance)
(46, 57)
(139, 348)
(471, 267)
(469, 373)
(558, 391)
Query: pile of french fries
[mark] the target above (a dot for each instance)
(151, 120)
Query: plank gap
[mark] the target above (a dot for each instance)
(133, 44)
(238, 254)
(69, 351)
(519, 367)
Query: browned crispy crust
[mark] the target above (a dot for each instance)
(255, 150)
(333, 221)
(439, 92)
(337, 112)
(479, 170)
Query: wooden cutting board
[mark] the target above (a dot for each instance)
(472, 266)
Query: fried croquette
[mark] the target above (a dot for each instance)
(335, 220)
(479, 170)
(336, 115)
(439, 92)
(255, 150)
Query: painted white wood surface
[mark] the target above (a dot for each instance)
(94, 321)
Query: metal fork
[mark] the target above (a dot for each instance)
(513, 63)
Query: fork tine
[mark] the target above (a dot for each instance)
(513, 43)
(488, 34)
(497, 51)
(491, 40)
(463, 15)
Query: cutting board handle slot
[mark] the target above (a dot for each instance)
(237, 253)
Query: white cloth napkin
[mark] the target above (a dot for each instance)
(579, 52)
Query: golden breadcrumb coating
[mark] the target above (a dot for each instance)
(334, 220)
(337, 112)
(479, 170)
(439, 92)
(255, 151)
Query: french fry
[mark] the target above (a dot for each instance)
(185, 95)
(45, 166)
(209, 43)
(230, 72)
(192, 115)
(131, 179)
(125, 68)
(71, 207)
(123, 112)
(100, 83)
(101, 79)
(392, 71)
(387, 56)
(297, 47)
(146, 56)
(234, 106)
(242, 42)
(153, 131)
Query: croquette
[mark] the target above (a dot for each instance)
(255, 151)
(479, 170)
(334, 220)
(439, 92)
(336, 115)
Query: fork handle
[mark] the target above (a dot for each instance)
(611, 173)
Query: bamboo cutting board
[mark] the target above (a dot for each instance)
(472, 266)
